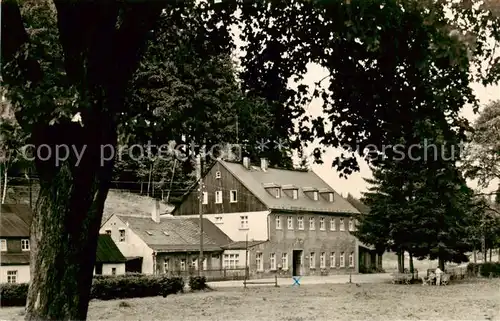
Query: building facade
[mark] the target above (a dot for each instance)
(296, 223)
(167, 245)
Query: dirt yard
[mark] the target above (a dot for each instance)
(475, 300)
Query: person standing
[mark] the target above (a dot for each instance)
(438, 273)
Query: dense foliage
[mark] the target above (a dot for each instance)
(105, 288)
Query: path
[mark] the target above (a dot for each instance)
(305, 280)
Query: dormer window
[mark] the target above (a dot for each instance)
(218, 175)
(291, 191)
(327, 194)
(330, 197)
(273, 189)
(311, 192)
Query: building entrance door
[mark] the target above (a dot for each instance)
(296, 262)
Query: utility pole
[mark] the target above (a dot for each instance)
(200, 209)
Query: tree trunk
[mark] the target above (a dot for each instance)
(441, 263)
(491, 254)
(4, 193)
(474, 253)
(66, 220)
(498, 255)
(400, 269)
(411, 264)
(379, 260)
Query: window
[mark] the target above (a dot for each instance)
(183, 264)
(3, 245)
(218, 219)
(330, 197)
(122, 235)
(322, 223)
(284, 261)
(322, 260)
(273, 261)
(315, 195)
(312, 223)
(278, 223)
(205, 197)
(166, 265)
(259, 262)
(295, 194)
(351, 260)
(351, 225)
(342, 225)
(277, 192)
(312, 260)
(333, 226)
(217, 175)
(301, 222)
(11, 276)
(290, 222)
(113, 271)
(218, 197)
(25, 245)
(233, 196)
(342, 259)
(231, 261)
(108, 232)
(332, 260)
(244, 222)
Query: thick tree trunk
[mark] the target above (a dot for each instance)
(491, 254)
(379, 260)
(441, 263)
(66, 221)
(474, 252)
(400, 268)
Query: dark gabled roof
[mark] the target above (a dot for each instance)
(362, 208)
(107, 251)
(15, 220)
(255, 180)
(241, 245)
(176, 234)
(19, 258)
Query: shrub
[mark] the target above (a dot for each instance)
(197, 283)
(484, 269)
(488, 268)
(106, 288)
(13, 294)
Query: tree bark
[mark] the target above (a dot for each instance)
(66, 220)
(411, 264)
(491, 254)
(474, 252)
(400, 269)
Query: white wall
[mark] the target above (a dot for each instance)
(133, 245)
(23, 273)
(257, 225)
(120, 268)
(241, 258)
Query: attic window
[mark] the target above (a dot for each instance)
(149, 232)
(164, 232)
(217, 174)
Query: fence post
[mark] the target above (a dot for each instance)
(275, 280)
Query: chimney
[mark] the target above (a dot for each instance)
(155, 213)
(246, 162)
(263, 164)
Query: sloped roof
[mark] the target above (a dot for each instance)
(362, 208)
(241, 245)
(254, 179)
(107, 251)
(176, 233)
(15, 220)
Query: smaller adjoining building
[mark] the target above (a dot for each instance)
(15, 222)
(168, 245)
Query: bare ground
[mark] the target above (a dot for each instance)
(474, 300)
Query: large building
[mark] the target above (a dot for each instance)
(296, 224)
(15, 222)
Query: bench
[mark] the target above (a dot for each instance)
(400, 278)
